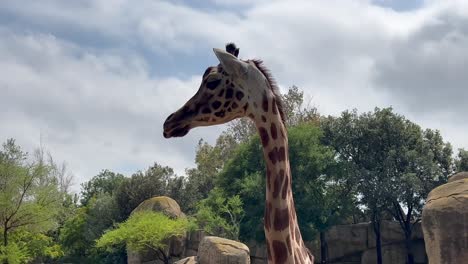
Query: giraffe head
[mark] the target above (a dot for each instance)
(224, 95)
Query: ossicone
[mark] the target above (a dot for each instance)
(231, 48)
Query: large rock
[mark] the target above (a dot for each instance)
(176, 248)
(189, 260)
(390, 233)
(391, 254)
(216, 250)
(163, 204)
(345, 240)
(458, 176)
(445, 223)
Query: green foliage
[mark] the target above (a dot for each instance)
(393, 161)
(157, 180)
(320, 193)
(220, 215)
(462, 160)
(294, 108)
(144, 230)
(14, 254)
(106, 182)
(89, 222)
(30, 198)
(322, 190)
(37, 246)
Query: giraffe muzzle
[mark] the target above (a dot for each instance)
(173, 128)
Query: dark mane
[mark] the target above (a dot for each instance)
(274, 87)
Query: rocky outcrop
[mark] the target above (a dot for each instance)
(163, 204)
(189, 260)
(216, 250)
(445, 222)
(346, 240)
(176, 248)
(459, 176)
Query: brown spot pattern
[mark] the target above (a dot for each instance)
(263, 136)
(246, 106)
(274, 108)
(268, 249)
(216, 104)
(239, 95)
(274, 131)
(266, 216)
(229, 93)
(263, 118)
(280, 252)
(213, 84)
(281, 220)
(265, 102)
(277, 154)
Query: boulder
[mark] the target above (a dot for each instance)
(163, 204)
(216, 250)
(391, 254)
(170, 208)
(390, 233)
(458, 176)
(189, 260)
(445, 222)
(344, 240)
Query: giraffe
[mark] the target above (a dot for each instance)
(235, 89)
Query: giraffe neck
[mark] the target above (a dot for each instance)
(283, 238)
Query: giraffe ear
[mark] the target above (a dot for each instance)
(230, 63)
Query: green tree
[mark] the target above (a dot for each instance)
(295, 109)
(220, 215)
(106, 182)
(321, 195)
(29, 193)
(145, 230)
(395, 164)
(89, 222)
(143, 185)
(462, 160)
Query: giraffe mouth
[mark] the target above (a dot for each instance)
(177, 132)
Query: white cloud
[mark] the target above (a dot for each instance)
(76, 72)
(95, 111)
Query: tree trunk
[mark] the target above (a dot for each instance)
(408, 242)
(378, 240)
(323, 248)
(5, 241)
(5, 236)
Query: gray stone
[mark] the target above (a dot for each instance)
(391, 254)
(189, 260)
(390, 233)
(344, 240)
(216, 250)
(445, 223)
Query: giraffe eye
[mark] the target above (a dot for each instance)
(213, 84)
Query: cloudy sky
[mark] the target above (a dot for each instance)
(93, 80)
